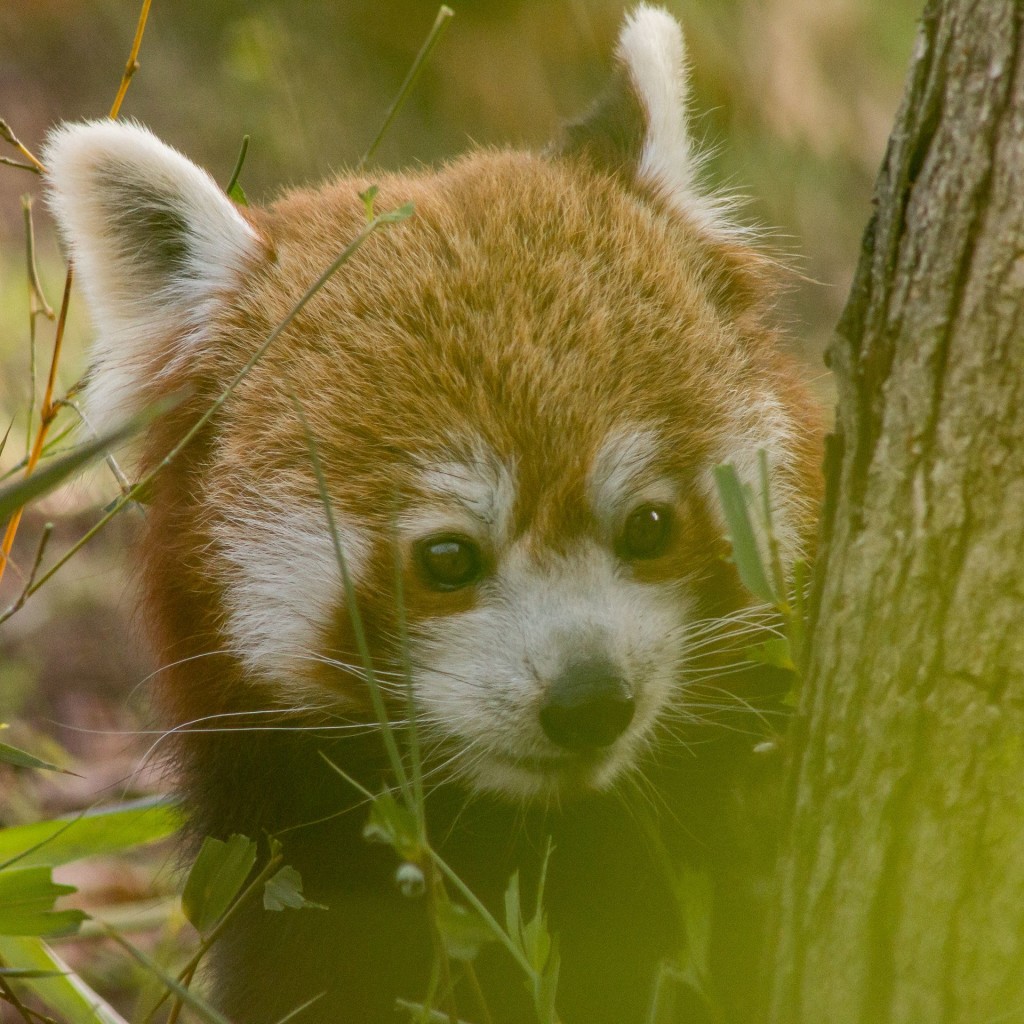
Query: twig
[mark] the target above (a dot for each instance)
(8, 162)
(444, 14)
(133, 61)
(40, 550)
(119, 475)
(37, 305)
(47, 412)
(26, 1013)
(49, 409)
(188, 971)
(7, 134)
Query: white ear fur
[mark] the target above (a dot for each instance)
(652, 52)
(155, 244)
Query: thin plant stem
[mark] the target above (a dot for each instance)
(26, 1013)
(362, 645)
(235, 174)
(186, 974)
(8, 162)
(49, 409)
(411, 732)
(37, 306)
(47, 412)
(444, 14)
(7, 134)
(44, 539)
(132, 64)
(499, 933)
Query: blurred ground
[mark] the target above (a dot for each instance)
(796, 97)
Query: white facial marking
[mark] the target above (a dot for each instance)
(652, 50)
(284, 583)
(477, 496)
(481, 675)
(623, 475)
(121, 198)
(763, 426)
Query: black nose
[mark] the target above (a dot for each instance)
(588, 706)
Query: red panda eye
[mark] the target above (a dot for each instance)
(449, 563)
(646, 533)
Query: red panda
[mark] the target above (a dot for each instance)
(517, 396)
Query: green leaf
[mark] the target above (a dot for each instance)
(747, 556)
(775, 652)
(22, 759)
(43, 481)
(216, 878)
(368, 198)
(394, 824)
(284, 890)
(27, 896)
(234, 189)
(101, 831)
(463, 931)
(397, 215)
(65, 994)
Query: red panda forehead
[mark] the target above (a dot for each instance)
(554, 499)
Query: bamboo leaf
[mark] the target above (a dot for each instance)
(746, 553)
(216, 878)
(100, 831)
(22, 759)
(27, 896)
(56, 985)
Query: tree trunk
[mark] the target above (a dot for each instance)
(901, 890)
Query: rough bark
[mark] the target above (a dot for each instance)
(901, 890)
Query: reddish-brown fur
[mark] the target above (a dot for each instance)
(534, 309)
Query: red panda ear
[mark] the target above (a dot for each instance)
(638, 128)
(155, 244)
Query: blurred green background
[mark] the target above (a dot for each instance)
(795, 97)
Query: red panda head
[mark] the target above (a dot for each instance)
(516, 396)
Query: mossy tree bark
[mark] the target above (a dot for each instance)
(901, 888)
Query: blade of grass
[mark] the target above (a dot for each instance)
(233, 183)
(746, 553)
(199, 1006)
(362, 646)
(444, 14)
(15, 497)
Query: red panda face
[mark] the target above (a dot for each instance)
(517, 397)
